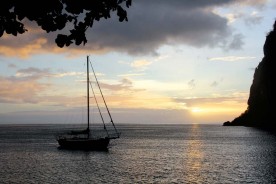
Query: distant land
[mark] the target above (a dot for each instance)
(261, 110)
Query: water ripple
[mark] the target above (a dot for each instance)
(144, 154)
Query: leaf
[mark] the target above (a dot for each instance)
(61, 40)
(1, 32)
(128, 3)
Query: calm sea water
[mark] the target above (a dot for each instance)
(143, 154)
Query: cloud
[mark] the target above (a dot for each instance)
(230, 105)
(231, 58)
(253, 19)
(66, 74)
(32, 43)
(231, 17)
(12, 66)
(124, 85)
(238, 97)
(195, 101)
(143, 107)
(192, 84)
(131, 74)
(126, 81)
(238, 11)
(140, 63)
(151, 25)
(214, 84)
(36, 73)
(31, 72)
(18, 90)
(236, 43)
(25, 86)
(20, 49)
(255, 3)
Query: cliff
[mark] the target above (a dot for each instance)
(261, 110)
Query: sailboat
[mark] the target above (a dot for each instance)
(83, 139)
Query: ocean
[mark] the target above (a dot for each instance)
(143, 154)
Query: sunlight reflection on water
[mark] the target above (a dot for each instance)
(194, 157)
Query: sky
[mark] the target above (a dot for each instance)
(173, 62)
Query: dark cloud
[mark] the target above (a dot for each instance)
(236, 42)
(154, 24)
(151, 25)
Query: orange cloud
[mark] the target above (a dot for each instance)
(33, 47)
(36, 42)
(14, 90)
(140, 63)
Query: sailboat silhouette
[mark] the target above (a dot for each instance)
(83, 139)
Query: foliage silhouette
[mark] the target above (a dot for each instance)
(54, 15)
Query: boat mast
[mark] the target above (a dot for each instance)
(88, 110)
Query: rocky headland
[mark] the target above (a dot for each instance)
(261, 110)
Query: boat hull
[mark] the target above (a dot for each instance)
(84, 143)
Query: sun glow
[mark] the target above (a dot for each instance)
(196, 110)
(215, 110)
